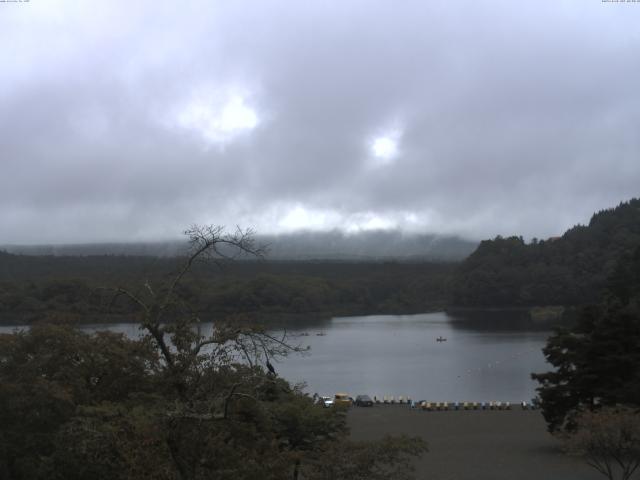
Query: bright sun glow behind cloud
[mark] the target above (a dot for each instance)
(218, 119)
(384, 149)
(301, 217)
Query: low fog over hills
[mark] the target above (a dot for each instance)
(333, 245)
(368, 245)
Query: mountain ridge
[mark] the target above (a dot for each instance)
(567, 270)
(304, 246)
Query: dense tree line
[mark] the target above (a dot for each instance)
(597, 359)
(31, 287)
(569, 270)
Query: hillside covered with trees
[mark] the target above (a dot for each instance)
(35, 287)
(505, 272)
(596, 359)
(569, 270)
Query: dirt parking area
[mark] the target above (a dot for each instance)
(475, 444)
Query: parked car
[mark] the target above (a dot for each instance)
(342, 399)
(424, 405)
(363, 401)
(327, 401)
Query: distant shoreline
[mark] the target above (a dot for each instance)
(538, 315)
(268, 318)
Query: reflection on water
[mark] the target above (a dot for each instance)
(400, 355)
(498, 321)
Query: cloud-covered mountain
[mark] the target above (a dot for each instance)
(333, 245)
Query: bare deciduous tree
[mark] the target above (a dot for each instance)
(609, 440)
(173, 323)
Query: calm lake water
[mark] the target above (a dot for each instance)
(485, 358)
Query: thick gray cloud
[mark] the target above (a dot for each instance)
(123, 121)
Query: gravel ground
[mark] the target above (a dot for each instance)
(478, 445)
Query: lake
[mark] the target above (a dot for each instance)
(485, 358)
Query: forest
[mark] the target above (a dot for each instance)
(596, 358)
(570, 270)
(33, 287)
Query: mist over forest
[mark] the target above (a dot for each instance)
(332, 245)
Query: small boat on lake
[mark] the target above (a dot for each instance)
(441, 339)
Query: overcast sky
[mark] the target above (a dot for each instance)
(126, 120)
